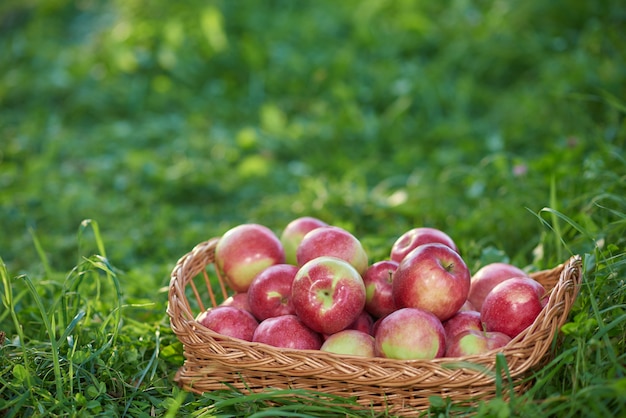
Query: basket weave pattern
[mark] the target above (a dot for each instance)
(213, 361)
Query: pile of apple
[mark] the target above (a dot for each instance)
(313, 288)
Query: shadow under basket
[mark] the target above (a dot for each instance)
(401, 387)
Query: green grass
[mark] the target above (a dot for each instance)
(132, 131)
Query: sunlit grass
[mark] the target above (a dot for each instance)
(67, 352)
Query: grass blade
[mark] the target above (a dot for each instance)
(9, 303)
(48, 324)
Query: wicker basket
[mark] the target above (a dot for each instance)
(213, 361)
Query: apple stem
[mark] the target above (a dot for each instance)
(448, 267)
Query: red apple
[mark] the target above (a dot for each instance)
(432, 277)
(335, 242)
(471, 342)
(229, 321)
(415, 237)
(269, 293)
(462, 321)
(350, 341)
(238, 300)
(244, 251)
(410, 333)
(376, 324)
(487, 277)
(468, 306)
(287, 331)
(364, 323)
(328, 294)
(378, 289)
(513, 305)
(293, 234)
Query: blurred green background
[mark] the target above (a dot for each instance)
(171, 122)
